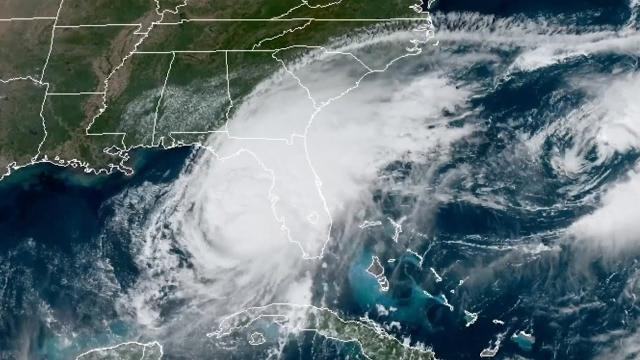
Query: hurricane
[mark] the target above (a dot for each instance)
(496, 164)
(248, 219)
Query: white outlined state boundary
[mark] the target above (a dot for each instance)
(426, 30)
(145, 32)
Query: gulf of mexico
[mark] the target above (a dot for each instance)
(57, 275)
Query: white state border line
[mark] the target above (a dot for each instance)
(304, 3)
(159, 22)
(307, 19)
(226, 51)
(363, 322)
(75, 93)
(416, 50)
(53, 34)
(164, 86)
(291, 19)
(94, 25)
(199, 132)
(20, 78)
(283, 33)
(35, 18)
(412, 52)
(206, 51)
(41, 81)
(318, 182)
(74, 162)
(301, 19)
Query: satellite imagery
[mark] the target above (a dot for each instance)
(319, 179)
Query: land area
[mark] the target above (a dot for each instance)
(125, 351)
(84, 82)
(293, 319)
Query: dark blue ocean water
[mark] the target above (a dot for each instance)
(52, 257)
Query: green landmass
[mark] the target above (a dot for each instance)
(132, 109)
(233, 9)
(214, 35)
(24, 46)
(20, 121)
(374, 342)
(101, 12)
(82, 58)
(195, 98)
(125, 351)
(28, 8)
(121, 70)
(248, 69)
(67, 143)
